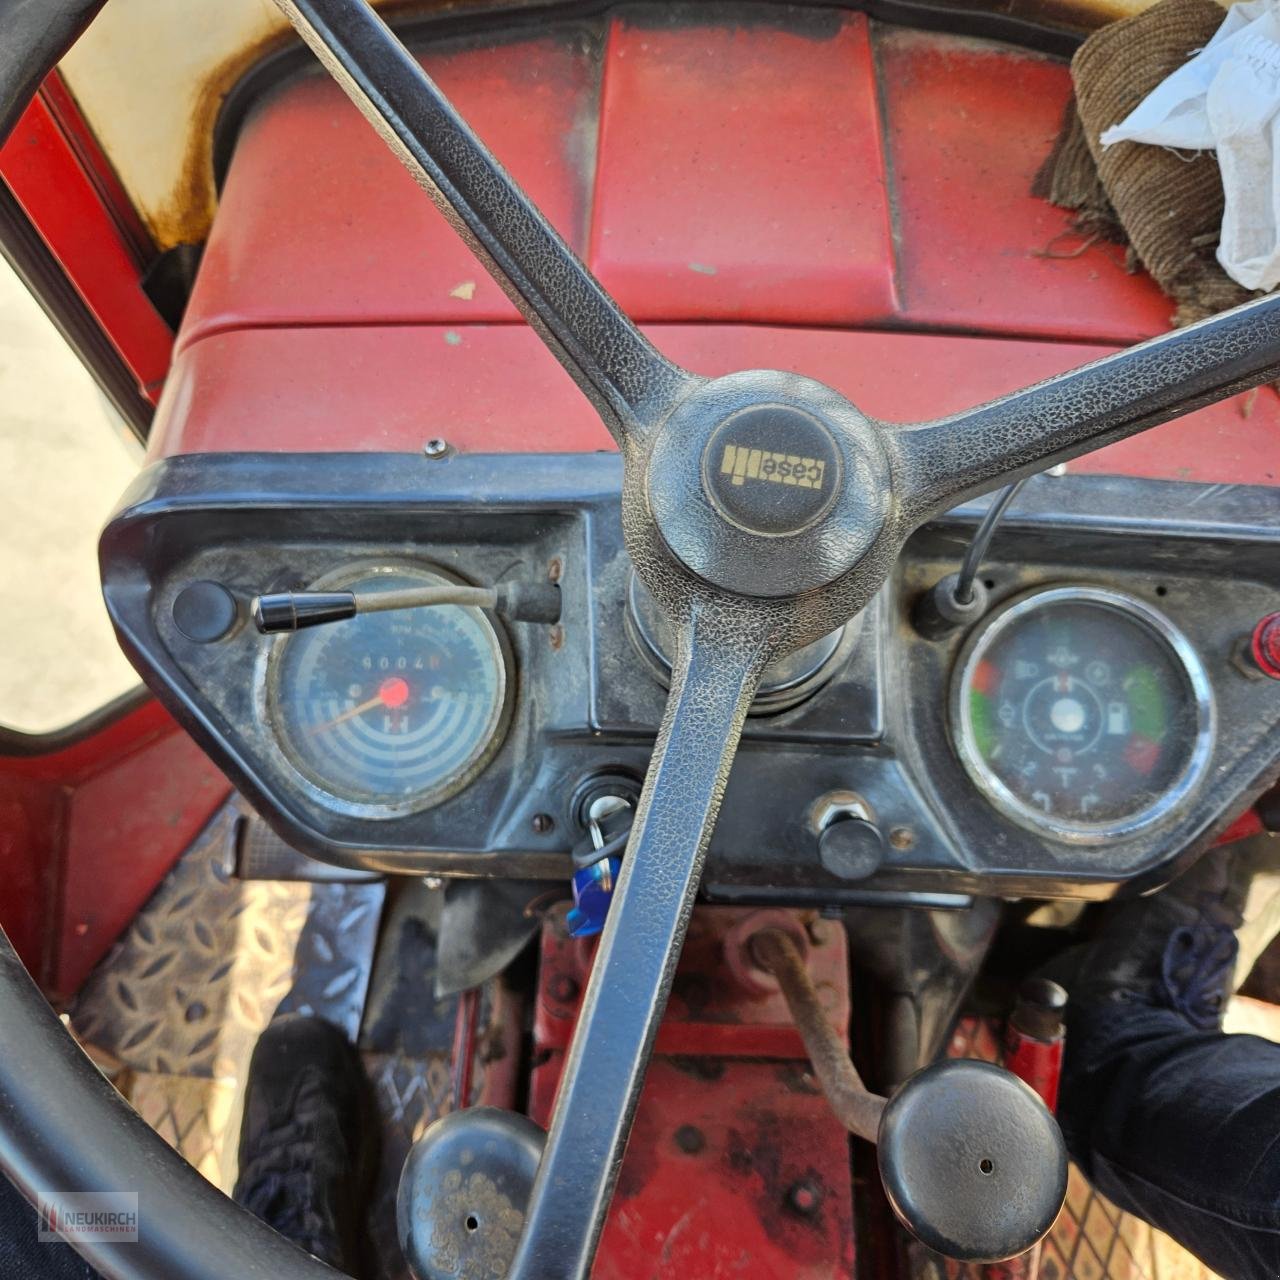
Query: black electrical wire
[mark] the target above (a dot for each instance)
(977, 551)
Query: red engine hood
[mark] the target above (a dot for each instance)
(815, 192)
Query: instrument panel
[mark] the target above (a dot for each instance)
(1095, 725)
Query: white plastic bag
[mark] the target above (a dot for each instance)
(1228, 98)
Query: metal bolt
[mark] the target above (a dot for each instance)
(436, 447)
(805, 1197)
(542, 823)
(902, 837)
(836, 805)
(563, 988)
(433, 882)
(689, 1139)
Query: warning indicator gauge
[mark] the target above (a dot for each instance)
(1082, 714)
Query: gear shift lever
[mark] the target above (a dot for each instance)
(971, 1159)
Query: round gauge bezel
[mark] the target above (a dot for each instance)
(998, 794)
(316, 787)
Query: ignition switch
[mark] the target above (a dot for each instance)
(850, 845)
(598, 861)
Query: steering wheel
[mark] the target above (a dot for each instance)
(762, 510)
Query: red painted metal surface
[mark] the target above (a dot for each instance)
(740, 173)
(125, 827)
(968, 125)
(320, 224)
(86, 833)
(31, 812)
(1249, 823)
(336, 310)
(735, 1165)
(1038, 1062)
(53, 167)
(97, 168)
(495, 389)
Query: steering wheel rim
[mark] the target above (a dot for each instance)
(747, 565)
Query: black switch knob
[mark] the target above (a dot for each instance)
(851, 848)
(205, 611)
(972, 1161)
(285, 611)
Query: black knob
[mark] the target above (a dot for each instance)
(464, 1192)
(972, 1161)
(285, 611)
(205, 611)
(851, 848)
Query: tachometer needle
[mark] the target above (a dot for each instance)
(391, 693)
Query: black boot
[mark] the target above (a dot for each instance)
(306, 1139)
(1176, 948)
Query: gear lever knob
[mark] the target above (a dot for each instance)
(972, 1160)
(463, 1193)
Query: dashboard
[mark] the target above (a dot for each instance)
(1097, 723)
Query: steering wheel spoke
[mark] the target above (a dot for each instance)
(630, 384)
(717, 669)
(943, 462)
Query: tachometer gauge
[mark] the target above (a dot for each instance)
(391, 713)
(1082, 714)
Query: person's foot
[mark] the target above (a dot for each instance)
(305, 1136)
(1175, 949)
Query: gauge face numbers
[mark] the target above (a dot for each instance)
(1082, 713)
(391, 712)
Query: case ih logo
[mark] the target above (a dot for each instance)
(742, 464)
(89, 1217)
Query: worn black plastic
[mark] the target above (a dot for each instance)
(972, 1161)
(587, 703)
(205, 611)
(852, 848)
(282, 611)
(941, 463)
(36, 35)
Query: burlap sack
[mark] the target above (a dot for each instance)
(1166, 205)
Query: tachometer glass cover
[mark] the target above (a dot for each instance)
(391, 713)
(1082, 714)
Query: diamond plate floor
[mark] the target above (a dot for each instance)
(181, 999)
(173, 1012)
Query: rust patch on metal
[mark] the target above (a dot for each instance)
(766, 1158)
(187, 213)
